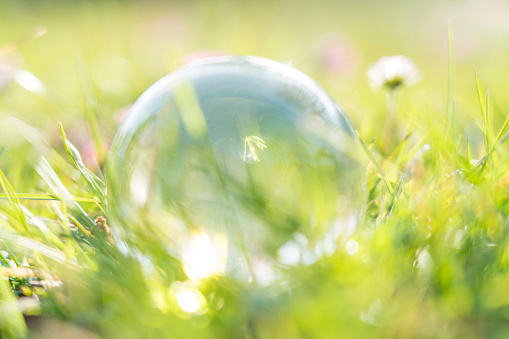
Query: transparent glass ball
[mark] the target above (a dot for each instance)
(237, 166)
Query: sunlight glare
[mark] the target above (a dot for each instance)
(29, 82)
(189, 301)
(352, 246)
(201, 259)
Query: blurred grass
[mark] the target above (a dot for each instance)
(435, 265)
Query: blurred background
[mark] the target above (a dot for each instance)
(128, 45)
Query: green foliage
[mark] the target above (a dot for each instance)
(433, 242)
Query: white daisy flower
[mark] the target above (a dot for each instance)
(393, 72)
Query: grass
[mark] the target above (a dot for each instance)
(433, 244)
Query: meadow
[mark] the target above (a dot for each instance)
(429, 256)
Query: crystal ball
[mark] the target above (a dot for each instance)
(236, 166)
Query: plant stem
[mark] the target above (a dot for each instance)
(390, 126)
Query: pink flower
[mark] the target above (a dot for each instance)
(121, 114)
(337, 54)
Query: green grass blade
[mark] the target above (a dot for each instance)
(79, 225)
(377, 165)
(451, 89)
(2, 259)
(38, 248)
(469, 157)
(487, 114)
(57, 187)
(67, 146)
(483, 159)
(40, 196)
(483, 104)
(93, 181)
(14, 202)
(489, 118)
(502, 130)
(91, 107)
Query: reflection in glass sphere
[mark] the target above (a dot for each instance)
(236, 166)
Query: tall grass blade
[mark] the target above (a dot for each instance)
(502, 129)
(14, 202)
(451, 88)
(55, 184)
(377, 165)
(93, 181)
(91, 107)
(46, 197)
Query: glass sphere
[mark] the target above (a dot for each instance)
(235, 166)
